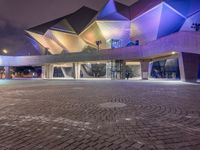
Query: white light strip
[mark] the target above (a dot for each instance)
(174, 10)
(162, 3)
(61, 30)
(63, 33)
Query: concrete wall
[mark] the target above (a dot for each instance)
(189, 66)
(178, 42)
(186, 44)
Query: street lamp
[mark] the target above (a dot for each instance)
(173, 53)
(5, 51)
(196, 26)
(46, 51)
(98, 43)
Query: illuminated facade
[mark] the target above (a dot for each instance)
(116, 25)
(146, 36)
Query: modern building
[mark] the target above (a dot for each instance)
(149, 39)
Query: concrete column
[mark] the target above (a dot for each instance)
(47, 71)
(189, 65)
(77, 70)
(145, 70)
(108, 70)
(7, 72)
(123, 69)
(50, 71)
(43, 72)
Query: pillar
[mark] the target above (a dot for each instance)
(108, 69)
(43, 72)
(76, 70)
(122, 69)
(7, 72)
(189, 65)
(145, 70)
(47, 71)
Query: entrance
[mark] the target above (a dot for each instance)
(117, 69)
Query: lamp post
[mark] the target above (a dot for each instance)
(6, 68)
(196, 26)
(98, 43)
(46, 51)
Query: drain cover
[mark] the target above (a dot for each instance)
(112, 105)
(77, 88)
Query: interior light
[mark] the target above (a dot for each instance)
(173, 53)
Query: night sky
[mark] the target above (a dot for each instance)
(17, 15)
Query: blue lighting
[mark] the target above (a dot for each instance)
(170, 22)
(108, 9)
(185, 7)
(35, 44)
(115, 43)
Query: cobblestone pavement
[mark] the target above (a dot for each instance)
(99, 115)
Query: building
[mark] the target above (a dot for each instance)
(149, 39)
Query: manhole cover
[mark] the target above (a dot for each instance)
(112, 105)
(77, 88)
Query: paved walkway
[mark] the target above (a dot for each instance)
(99, 115)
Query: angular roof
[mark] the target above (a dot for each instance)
(42, 29)
(170, 21)
(76, 21)
(142, 6)
(123, 9)
(114, 11)
(185, 7)
(145, 20)
(63, 26)
(158, 22)
(81, 18)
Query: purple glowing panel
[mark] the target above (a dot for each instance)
(185, 7)
(170, 22)
(107, 10)
(145, 27)
(35, 44)
(188, 23)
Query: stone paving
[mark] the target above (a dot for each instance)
(99, 115)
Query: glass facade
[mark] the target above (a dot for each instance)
(165, 69)
(93, 70)
(115, 69)
(63, 71)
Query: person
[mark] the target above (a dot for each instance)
(81, 74)
(127, 75)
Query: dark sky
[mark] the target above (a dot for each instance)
(17, 15)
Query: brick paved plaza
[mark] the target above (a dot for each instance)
(99, 115)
